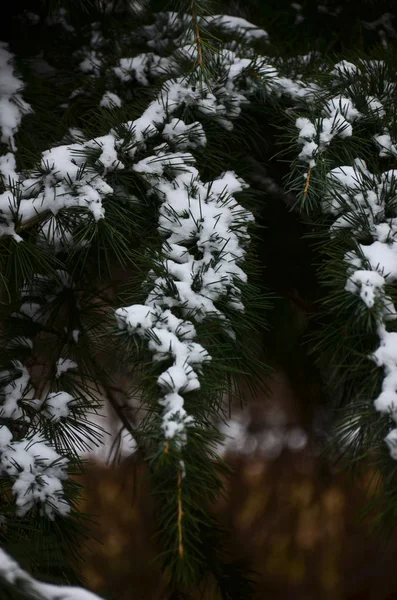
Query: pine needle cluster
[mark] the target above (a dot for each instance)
(131, 140)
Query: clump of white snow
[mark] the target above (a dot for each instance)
(12, 105)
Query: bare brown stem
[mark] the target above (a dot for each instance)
(307, 184)
(180, 516)
(199, 41)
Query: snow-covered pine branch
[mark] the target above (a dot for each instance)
(74, 177)
(361, 202)
(149, 95)
(12, 106)
(31, 463)
(192, 211)
(11, 573)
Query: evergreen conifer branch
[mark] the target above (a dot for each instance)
(22, 586)
(142, 174)
(71, 182)
(358, 204)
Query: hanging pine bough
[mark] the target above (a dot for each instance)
(64, 209)
(130, 175)
(353, 183)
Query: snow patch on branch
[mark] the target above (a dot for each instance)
(315, 137)
(12, 105)
(63, 365)
(367, 284)
(11, 572)
(205, 232)
(14, 391)
(362, 203)
(142, 68)
(367, 195)
(37, 471)
(236, 26)
(57, 405)
(387, 147)
(208, 217)
(110, 100)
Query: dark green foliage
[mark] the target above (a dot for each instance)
(292, 261)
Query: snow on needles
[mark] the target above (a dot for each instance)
(68, 180)
(34, 466)
(336, 122)
(205, 231)
(36, 470)
(362, 203)
(373, 265)
(11, 572)
(12, 106)
(236, 25)
(203, 227)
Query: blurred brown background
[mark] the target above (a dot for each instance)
(298, 521)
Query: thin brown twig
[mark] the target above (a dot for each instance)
(180, 515)
(117, 407)
(33, 221)
(307, 184)
(199, 41)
